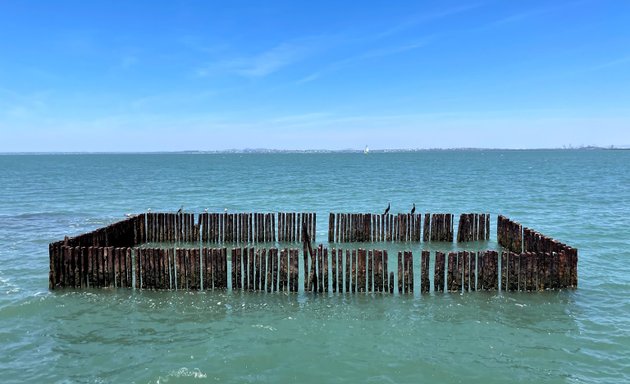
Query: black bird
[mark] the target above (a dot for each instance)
(387, 210)
(413, 210)
(180, 209)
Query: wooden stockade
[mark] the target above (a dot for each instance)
(272, 269)
(290, 226)
(438, 227)
(125, 255)
(473, 227)
(237, 227)
(540, 252)
(370, 227)
(509, 234)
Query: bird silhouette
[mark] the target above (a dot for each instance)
(389, 205)
(149, 210)
(206, 210)
(181, 209)
(413, 210)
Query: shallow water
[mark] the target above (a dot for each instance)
(578, 336)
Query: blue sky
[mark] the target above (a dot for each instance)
(210, 75)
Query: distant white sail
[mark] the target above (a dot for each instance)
(366, 150)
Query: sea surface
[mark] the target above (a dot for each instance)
(579, 197)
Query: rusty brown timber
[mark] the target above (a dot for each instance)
(171, 251)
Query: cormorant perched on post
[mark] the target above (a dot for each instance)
(413, 210)
(180, 210)
(389, 205)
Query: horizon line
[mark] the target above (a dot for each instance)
(347, 150)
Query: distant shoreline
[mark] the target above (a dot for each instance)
(313, 151)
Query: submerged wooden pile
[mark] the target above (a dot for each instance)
(273, 269)
(401, 227)
(165, 251)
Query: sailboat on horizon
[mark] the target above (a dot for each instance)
(366, 150)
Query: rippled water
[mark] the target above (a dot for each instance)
(582, 336)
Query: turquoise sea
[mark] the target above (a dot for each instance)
(579, 197)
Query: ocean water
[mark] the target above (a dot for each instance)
(99, 336)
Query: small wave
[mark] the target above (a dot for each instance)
(195, 373)
(267, 327)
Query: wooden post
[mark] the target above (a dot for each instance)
(450, 282)
(257, 270)
(189, 263)
(513, 265)
(273, 252)
(122, 260)
(426, 231)
(162, 262)
(195, 267)
(147, 281)
(466, 274)
(555, 271)
(263, 269)
(109, 267)
(347, 270)
(295, 273)
(331, 226)
(494, 278)
(136, 269)
(306, 270)
(325, 269)
(354, 271)
(388, 283)
(361, 270)
(320, 269)
(408, 272)
(234, 274)
(154, 263)
(334, 270)
(340, 271)
(245, 264)
(251, 278)
(378, 271)
(425, 285)
(574, 264)
(153, 269)
(208, 264)
(224, 273)
(438, 278)
(532, 271)
(472, 256)
(522, 272)
(400, 272)
(459, 271)
(283, 270)
(504, 271)
(270, 267)
(370, 273)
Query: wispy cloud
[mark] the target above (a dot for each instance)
(425, 18)
(518, 17)
(269, 61)
(370, 54)
(610, 64)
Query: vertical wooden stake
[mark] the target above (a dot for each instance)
(425, 285)
(438, 278)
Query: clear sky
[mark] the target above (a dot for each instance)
(210, 75)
